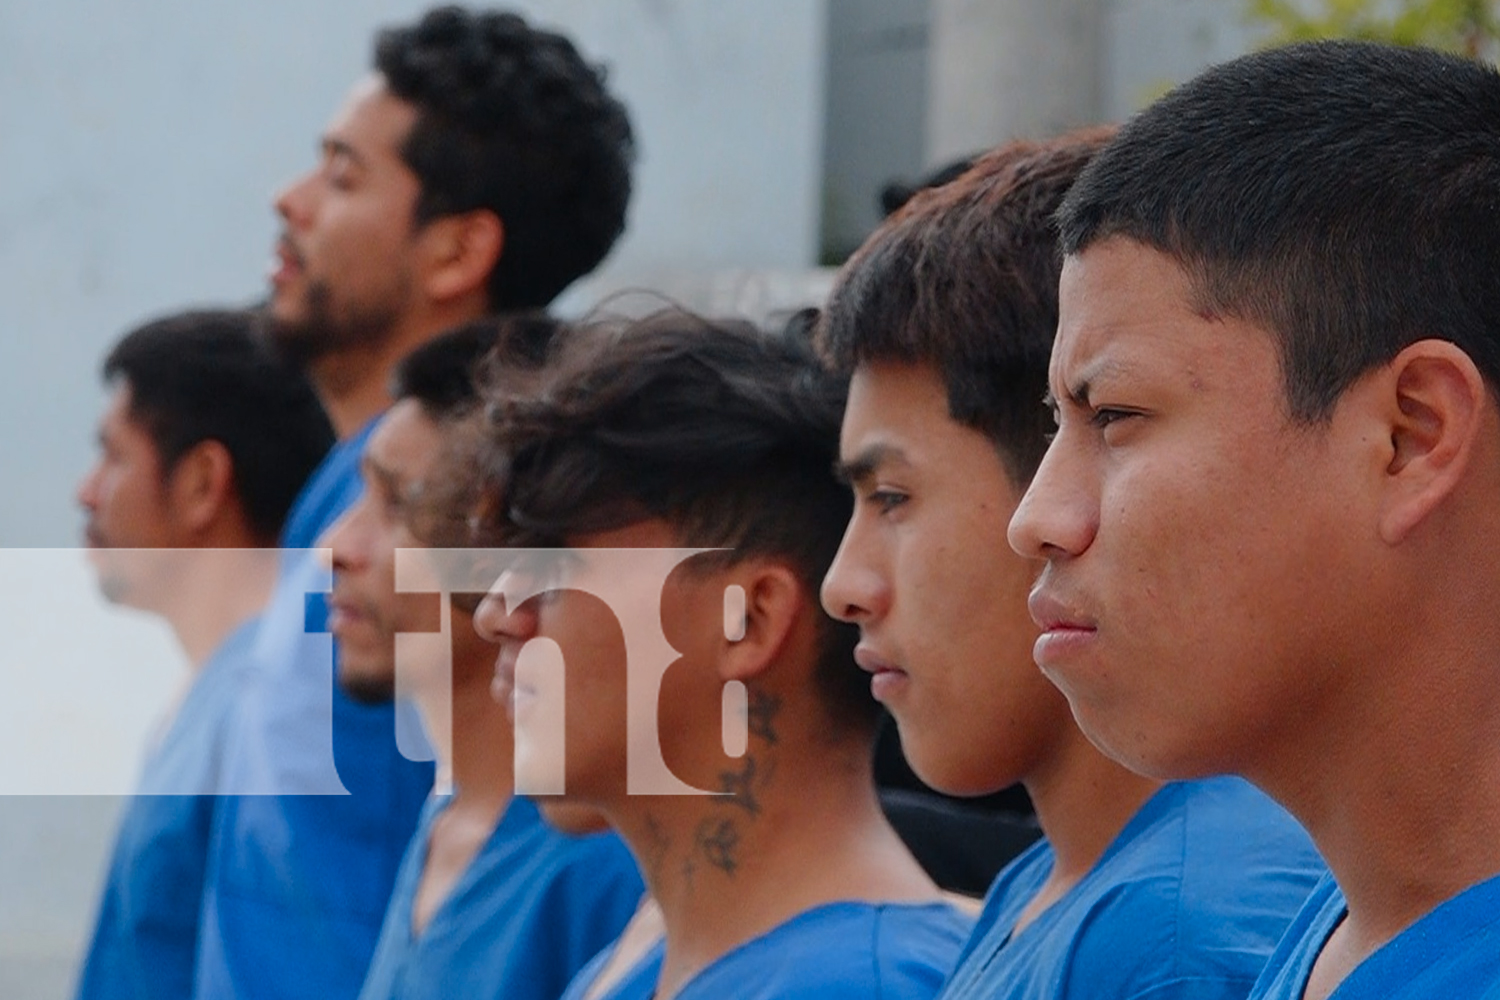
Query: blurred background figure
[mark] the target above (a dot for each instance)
(490, 900)
(480, 165)
(203, 446)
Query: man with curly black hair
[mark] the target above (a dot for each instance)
(482, 166)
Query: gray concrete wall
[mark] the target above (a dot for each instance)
(877, 109)
(1003, 69)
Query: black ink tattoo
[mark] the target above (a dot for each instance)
(740, 788)
(763, 709)
(718, 839)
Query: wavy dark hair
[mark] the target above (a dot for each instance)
(726, 432)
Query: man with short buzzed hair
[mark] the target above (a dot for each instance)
(1269, 519)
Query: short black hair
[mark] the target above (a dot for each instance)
(1343, 195)
(722, 430)
(964, 278)
(512, 119)
(208, 375)
(443, 374)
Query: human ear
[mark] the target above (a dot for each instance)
(1435, 400)
(461, 251)
(201, 483)
(774, 601)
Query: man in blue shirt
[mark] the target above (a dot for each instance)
(481, 166)
(943, 323)
(703, 703)
(203, 446)
(490, 900)
(1268, 517)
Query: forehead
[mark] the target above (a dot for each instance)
(897, 399)
(406, 442)
(120, 424)
(372, 121)
(898, 412)
(1128, 311)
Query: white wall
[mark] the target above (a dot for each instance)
(140, 144)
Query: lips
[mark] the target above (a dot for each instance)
(344, 614)
(288, 261)
(887, 681)
(503, 688)
(1065, 631)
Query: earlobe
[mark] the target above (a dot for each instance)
(464, 249)
(774, 601)
(1437, 401)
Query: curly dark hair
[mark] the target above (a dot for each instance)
(512, 119)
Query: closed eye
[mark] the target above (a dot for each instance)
(886, 500)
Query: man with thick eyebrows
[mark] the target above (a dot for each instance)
(677, 433)
(943, 322)
(1269, 518)
(489, 900)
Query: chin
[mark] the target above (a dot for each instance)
(368, 689)
(959, 781)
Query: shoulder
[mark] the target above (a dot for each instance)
(332, 488)
(530, 842)
(580, 887)
(1200, 892)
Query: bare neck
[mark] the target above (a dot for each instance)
(472, 741)
(799, 830)
(1398, 782)
(1083, 800)
(218, 590)
(353, 384)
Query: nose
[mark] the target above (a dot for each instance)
(498, 618)
(87, 493)
(1058, 517)
(343, 538)
(854, 588)
(294, 202)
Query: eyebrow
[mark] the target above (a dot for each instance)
(338, 147)
(862, 467)
(387, 477)
(1078, 391)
